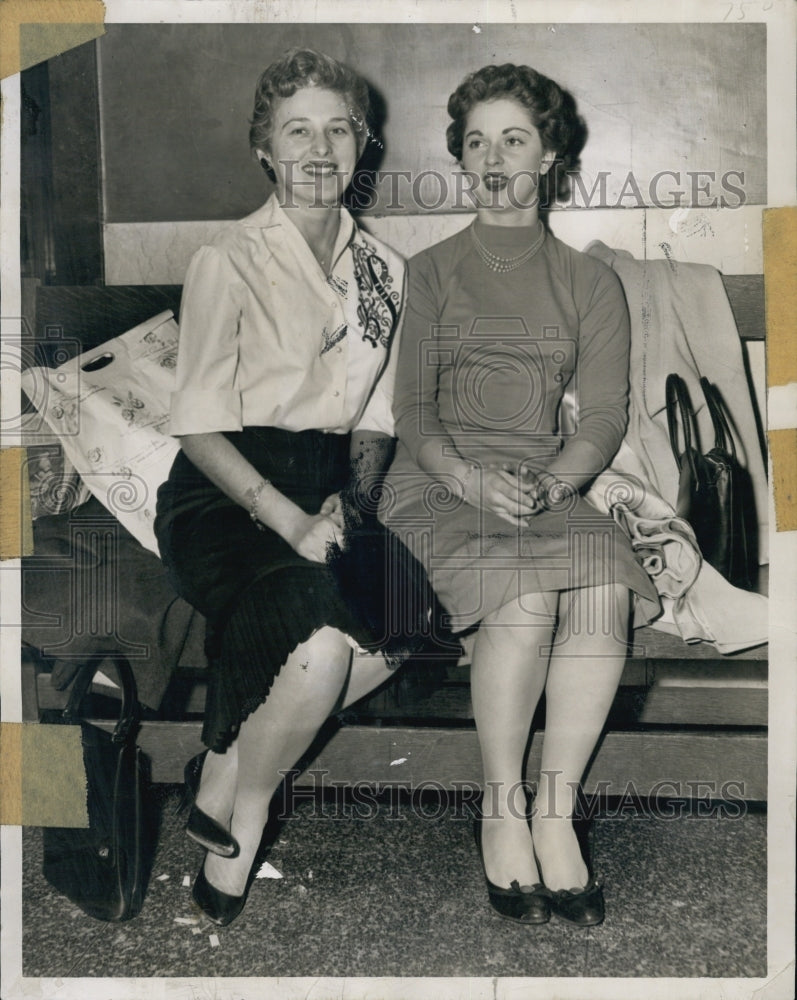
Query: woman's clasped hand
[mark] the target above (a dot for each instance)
(314, 534)
(515, 497)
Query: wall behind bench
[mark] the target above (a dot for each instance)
(175, 101)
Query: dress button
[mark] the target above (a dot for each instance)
(336, 393)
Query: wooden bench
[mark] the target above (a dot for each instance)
(683, 715)
(687, 721)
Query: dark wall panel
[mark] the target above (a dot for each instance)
(175, 102)
(60, 180)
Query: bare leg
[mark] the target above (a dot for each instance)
(273, 738)
(216, 795)
(510, 663)
(582, 681)
(367, 673)
(217, 791)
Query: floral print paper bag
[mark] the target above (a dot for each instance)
(110, 410)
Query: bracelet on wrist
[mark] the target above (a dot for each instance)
(254, 501)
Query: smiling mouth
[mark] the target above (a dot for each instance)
(320, 168)
(495, 181)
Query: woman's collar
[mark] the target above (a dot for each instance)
(272, 215)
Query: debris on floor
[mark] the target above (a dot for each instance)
(268, 871)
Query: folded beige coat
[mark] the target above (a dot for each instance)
(698, 603)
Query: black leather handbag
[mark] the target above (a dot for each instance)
(103, 869)
(714, 492)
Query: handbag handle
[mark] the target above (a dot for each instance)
(723, 438)
(677, 397)
(128, 713)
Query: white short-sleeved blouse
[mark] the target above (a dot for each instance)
(267, 339)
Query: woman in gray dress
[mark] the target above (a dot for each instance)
(486, 487)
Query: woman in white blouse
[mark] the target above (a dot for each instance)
(283, 397)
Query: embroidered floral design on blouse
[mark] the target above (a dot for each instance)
(340, 285)
(330, 339)
(378, 306)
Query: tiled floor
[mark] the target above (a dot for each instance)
(398, 892)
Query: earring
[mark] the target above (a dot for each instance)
(547, 163)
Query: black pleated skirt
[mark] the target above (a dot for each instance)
(259, 597)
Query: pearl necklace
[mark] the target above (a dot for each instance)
(501, 265)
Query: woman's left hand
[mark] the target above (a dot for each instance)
(500, 492)
(312, 535)
(545, 489)
(332, 508)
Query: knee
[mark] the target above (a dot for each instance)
(327, 646)
(519, 627)
(617, 597)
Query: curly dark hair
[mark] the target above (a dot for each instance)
(299, 68)
(551, 108)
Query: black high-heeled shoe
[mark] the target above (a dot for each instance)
(199, 826)
(218, 906)
(583, 907)
(523, 904)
